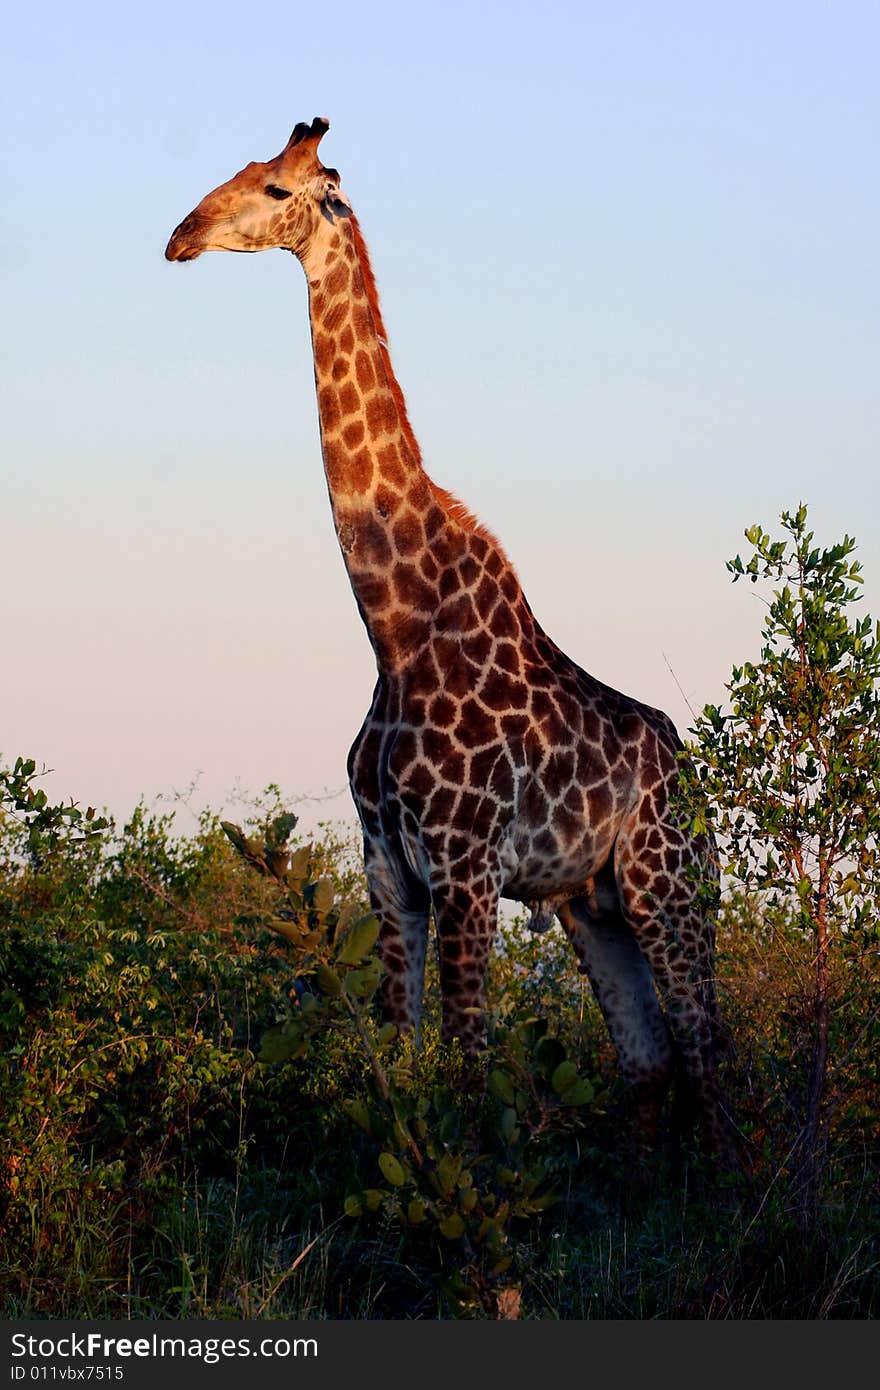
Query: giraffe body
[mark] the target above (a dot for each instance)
(489, 765)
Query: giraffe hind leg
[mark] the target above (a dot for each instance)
(624, 988)
(677, 940)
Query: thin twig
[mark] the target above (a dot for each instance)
(678, 683)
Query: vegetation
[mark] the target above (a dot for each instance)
(789, 780)
(201, 1114)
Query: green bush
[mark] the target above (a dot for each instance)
(202, 1114)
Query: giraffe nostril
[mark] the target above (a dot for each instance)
(182, 245)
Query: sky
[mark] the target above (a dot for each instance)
(627, 256)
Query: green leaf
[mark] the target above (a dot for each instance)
(362, 983)
(328, 981)
(357, 1111)
(392, 1170)
(234, 834)
(353, 1206)
(542, 1202)
(509, 1129)
(278, 862)
(358, 941)
(387, 1033)
(291, 930)
(581, 1093)
(282, 1043)
(563, 1077)
(448, 1170)
(323, 895)
(452, 1226)
(299, 863)
(450, 1123)
(501, 1085)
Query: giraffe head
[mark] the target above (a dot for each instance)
(287, 202)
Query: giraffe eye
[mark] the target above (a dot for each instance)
(275, 192)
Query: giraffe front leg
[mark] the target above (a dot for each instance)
(403, 910)
(466, 917)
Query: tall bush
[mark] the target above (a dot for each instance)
(788, 777)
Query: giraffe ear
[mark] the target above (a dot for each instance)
(334, 203)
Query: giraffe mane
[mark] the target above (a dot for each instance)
(459, 511)
(454, 508)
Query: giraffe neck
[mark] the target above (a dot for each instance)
(386, 510)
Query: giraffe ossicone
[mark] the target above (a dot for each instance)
(490, 764)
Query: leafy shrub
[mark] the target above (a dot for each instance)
(203, 1116)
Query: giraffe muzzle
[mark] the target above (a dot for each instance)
(185, 242)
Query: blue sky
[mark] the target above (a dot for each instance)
(627, 256)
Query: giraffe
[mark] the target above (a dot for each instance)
(490, 765)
